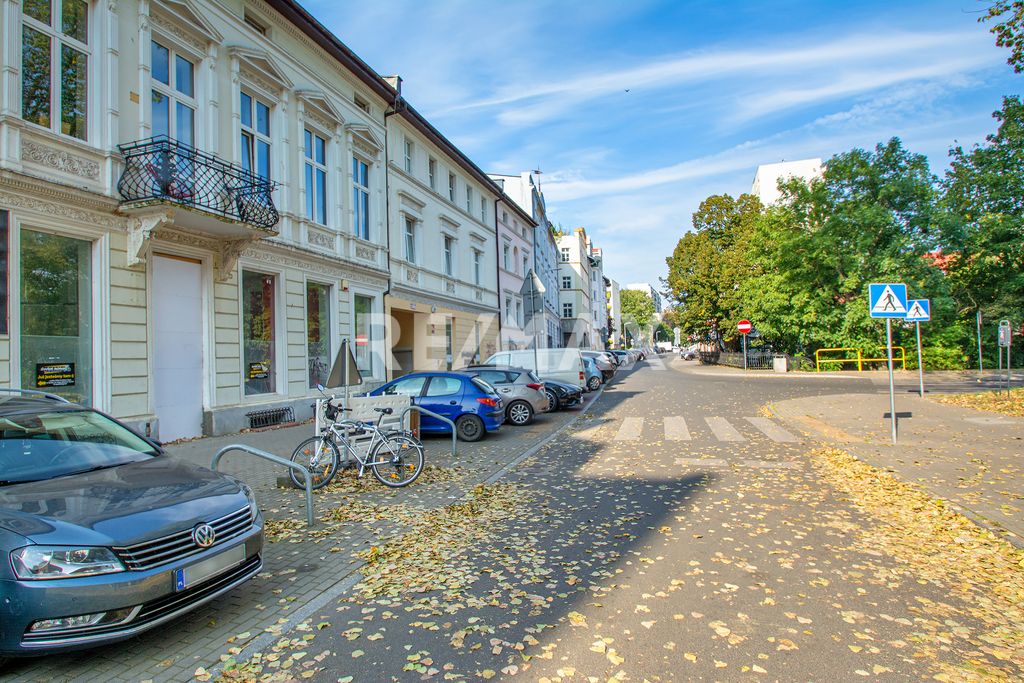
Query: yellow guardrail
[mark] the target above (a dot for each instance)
(860, 360)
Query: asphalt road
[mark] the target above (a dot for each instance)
(676, 534)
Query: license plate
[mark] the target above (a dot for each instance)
(189, 576)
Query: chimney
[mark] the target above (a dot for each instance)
(395, 82)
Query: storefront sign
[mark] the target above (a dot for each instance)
(259, 370)
(55, 374)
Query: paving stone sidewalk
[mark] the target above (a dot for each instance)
(299, 565)
(970, 458)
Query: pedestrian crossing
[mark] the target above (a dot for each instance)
(675, 428)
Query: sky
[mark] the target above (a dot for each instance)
(635, 111)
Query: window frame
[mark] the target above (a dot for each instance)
(57, 39)
(566, 282)
(453, 185)
(567, 310)
(249, 151)
(448, 254)
(309, 161)
(171, 90)
(432, 173)
(408, 150)
(361, 219)
(410, 239)
(477, 267)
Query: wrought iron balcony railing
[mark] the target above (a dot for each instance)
(162, 169)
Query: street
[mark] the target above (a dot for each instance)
(677, 530)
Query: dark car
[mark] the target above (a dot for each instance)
(562, 395)
(471, 403)
(103, 535)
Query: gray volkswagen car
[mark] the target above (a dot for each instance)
(102, 535)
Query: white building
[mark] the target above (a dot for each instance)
(768, 176)
(515, 262)
(574, 292)
(651, 292)
(614, 314)
(598, 297)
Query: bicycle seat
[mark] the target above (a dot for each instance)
(386, 411)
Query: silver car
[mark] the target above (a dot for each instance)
(522, 391)
(604, 363)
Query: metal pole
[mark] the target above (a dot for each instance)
(744, 352)
(920, 363)
(536, 338)
(981, 364)
(892, 388)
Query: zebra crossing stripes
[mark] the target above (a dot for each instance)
(631, 429)
(675, 429)
(723, 430)
(772, 430)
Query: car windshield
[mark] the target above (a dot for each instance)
(47, 444)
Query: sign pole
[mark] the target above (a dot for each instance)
(981, 363)
(744, 352)
(920, 363)
(892, 388)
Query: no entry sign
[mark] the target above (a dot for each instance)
(744, 326)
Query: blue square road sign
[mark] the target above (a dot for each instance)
(919, 311)
(887, 300)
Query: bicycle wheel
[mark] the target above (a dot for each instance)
(397, 461)
(319, 455)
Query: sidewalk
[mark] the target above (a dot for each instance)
(303, 569)
(970, 458)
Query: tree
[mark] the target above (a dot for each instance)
(984, 227)
(1009, 29)
(637, 309)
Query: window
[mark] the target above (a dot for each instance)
(408, 155)
(3, 271)
(504, 257)
(56, 315)
(451, 186)
(526, 264)
(515, 258)
(565, 254)
(519, 313)
(432, 173)
(361, 103)
(504, 216)
(412, 386)
(410, 240)
(508, 310)
(364, 334)
(173, 95)
(443, 386)
(258, 339)
(476, 266)
(318, 332)
(361, 197)
(566, 310)
(566, 282)
(448, 255)
(483, 209)
(316, 177)
(255, 135)
(449, 342)
(54, 65)
(256, 24)
(469, 199)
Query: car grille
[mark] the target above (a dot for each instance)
(156, 610)
(176, 546)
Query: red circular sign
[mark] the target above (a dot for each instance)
(744, 326)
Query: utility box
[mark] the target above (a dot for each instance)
(780, 364)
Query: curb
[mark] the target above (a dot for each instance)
(349, 579)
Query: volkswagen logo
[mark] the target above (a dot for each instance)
(204, 535)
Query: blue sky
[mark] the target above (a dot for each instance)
(636, 111)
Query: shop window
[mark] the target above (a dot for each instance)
(258, 338)
(56, 315)
(318, 332)
(364, 334)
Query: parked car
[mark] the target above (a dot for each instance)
(470, 402)
(562, 395)
(521, 390)
(594, 377)
(565, 365)
(688, 352)
(103, 535)
(603, 362)
(622, 355)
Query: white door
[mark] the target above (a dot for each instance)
(178, 347)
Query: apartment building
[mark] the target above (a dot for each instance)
(193, 209)
(574, 293)
(614, 314)
(515, 263)
(598, 297)
(543, 315)
(443, 306)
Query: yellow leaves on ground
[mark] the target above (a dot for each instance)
(990, 401)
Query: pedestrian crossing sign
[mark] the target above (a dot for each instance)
(887, 300)
(919, 311)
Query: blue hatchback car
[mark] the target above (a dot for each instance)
(471, 403)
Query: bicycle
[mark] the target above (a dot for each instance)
(394, 456)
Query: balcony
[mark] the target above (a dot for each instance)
(160, 170)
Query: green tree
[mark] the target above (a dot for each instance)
(1008, 29)
(637, 310)
(984, 230)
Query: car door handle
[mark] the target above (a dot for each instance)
(453, 403)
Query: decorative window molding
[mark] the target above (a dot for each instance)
(259, 68)
(319, 109)
(183, 20)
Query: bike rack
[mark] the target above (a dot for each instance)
(431, 413)
(272, 458)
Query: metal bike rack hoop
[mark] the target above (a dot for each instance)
(431, 413)
(272, 458)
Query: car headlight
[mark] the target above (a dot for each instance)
(63, 562)
(254, 507)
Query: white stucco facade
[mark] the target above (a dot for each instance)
(766, 180)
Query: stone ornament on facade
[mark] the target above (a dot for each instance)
(21, 201)
(320, 239)
(140, 234)
(412, 275)
(365, 253)
(59, 159)
(286, 261)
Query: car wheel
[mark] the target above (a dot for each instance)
(470, 428)
(519, 413)
(552, 400)
(594, 383)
